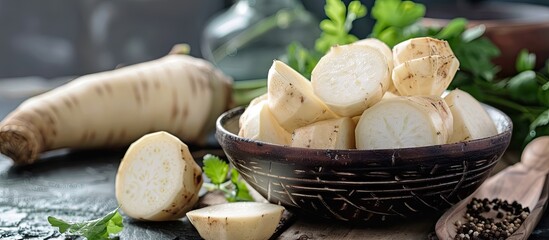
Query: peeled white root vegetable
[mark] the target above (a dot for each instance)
(387, 52)
(429, 75)
(260, 124)
(238, 221)
(470, 119)
(328, 134)
(292, 100)
(351, 78)
(254, 102)
(420, 47)
(158, 179)
(401, 122)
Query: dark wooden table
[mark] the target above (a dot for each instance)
(80, 185)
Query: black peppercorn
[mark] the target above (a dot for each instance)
(479, 227)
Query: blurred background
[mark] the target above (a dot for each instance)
(58, 38)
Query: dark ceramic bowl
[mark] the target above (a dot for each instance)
(364, 185)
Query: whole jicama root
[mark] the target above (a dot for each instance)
(177, 93)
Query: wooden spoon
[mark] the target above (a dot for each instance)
(525, 182)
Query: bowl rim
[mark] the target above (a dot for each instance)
(440, 149)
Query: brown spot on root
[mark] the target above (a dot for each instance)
(108, 88)
(98, 90)
(193, 84)
(197, 179)
(156, 84)
(92, 136)
(110, 136)
(122, 134)
(175, 108)
(185, 111)
(67, 103)
(145, 85)
(302, 99)
(136, 94)
(84, 136)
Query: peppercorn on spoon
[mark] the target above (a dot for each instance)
(525, 182)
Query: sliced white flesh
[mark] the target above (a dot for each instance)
(158, 179)
(238, 221)
(438, 104)
(254, 102)
(381, 46)
(292, 100)
(425, 76)
(470, 119)
(328, 134)
(400, 122)
(261, 125)
(351, 78)
(420, 47)
(387, 52)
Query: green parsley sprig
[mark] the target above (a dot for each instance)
(98, 229)
(231, 185)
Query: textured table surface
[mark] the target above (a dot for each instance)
(80, 185)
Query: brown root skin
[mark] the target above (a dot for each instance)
(20, 143)
(178, 93)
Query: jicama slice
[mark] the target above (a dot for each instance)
(351, 78)
(387, 52)
(429, 75)
(420, 47)
(158, 178)
(254, 102)
(238, 221)
(401, 122)
(292, 100)
(381, 46)
(471, 121)
(261, 125)
(328, 134)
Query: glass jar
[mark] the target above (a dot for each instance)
(244, 40)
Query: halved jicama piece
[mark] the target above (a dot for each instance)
(238, 221)
(401, 122)
(387, 52)
(425, 76)
(254, 102)
(351, 78)
(261, 125)
(328, 134)
(471, 121)
(158, 179)
(420, 47)
(291, 98)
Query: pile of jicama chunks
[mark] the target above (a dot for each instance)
(366, 96)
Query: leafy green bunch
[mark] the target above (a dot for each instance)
(231, 185)
(98, 229)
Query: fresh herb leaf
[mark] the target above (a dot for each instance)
(522, 86)
(525, 61)
(539, 127)
(453, 29)
(97, 229)
(335, 29)
(241, 190)
(215, 169)
(395, 20)
(301, 59)
(235, 188)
